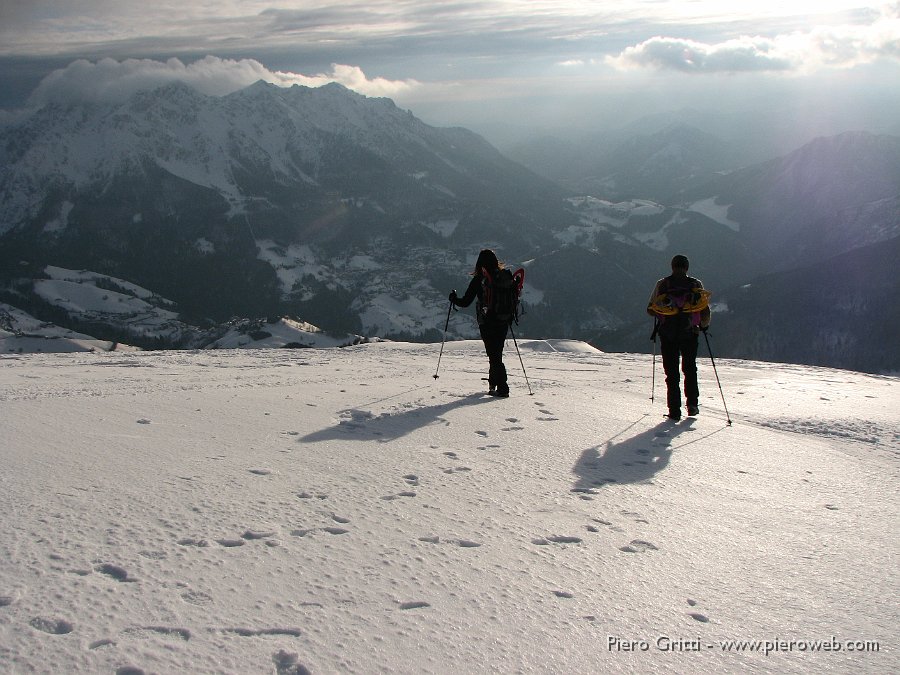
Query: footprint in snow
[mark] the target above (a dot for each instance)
(287, 663)
(564, 594)
(116, 572)
(418, 604)
(411, 478)
(261, 472)
(457, 469)
(166, 631)
(556, 539)
(451, 455)
(638, 546)
(405, 493)
(154, 555)
(98, 644)
(697, 616)
(51, 626)
(197, 598)
(257, 632)
(462, 543)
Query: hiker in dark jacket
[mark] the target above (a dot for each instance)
(678, 334)
(493, 330)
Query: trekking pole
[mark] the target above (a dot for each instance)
(511, 332)
(653, 340)
(709, 349)
(443, 339)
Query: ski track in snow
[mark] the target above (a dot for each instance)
(341, 511)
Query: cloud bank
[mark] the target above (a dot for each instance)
(112, 81)
(832, 46)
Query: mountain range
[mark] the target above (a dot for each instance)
(351, 214)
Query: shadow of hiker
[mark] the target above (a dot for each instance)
(632, 460)
(361, 425)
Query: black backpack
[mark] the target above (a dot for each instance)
(501, 294)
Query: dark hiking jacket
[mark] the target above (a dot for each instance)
(473, 292)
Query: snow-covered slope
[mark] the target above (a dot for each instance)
(120, 308)
(22, 333)
(280, 333)
(343, 511)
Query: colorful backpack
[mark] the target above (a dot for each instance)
(679, 304)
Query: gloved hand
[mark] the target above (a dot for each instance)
(453, 296)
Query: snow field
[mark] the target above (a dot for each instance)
(320, 511)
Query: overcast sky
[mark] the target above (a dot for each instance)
(479, 63)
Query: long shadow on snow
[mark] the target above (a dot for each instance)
(632, 460)
(361, 425)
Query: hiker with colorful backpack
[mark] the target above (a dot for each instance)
(497, 291)
(680, 305)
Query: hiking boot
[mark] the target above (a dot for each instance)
(693, 410)
(500, 392)
(674, 415)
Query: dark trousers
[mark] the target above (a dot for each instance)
(683, 348)
(493, 335)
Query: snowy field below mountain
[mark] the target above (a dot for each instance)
(342, 511)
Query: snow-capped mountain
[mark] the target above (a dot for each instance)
(206, 199)
(351, 214)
